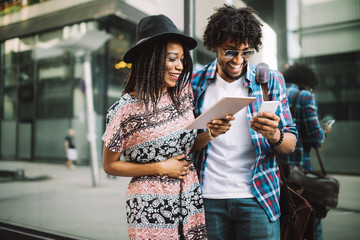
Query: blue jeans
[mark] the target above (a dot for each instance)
(239, 218)
(318, 229)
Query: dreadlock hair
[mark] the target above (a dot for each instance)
(301, 75)
(147, 79)
(240, 25)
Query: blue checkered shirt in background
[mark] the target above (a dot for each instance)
(307, 122)
(265, 182)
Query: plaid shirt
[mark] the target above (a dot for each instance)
(307, 122)
(265, 182)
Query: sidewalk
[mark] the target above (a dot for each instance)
(67, 203)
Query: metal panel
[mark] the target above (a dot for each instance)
(90, 11)
(24, 139)
(331, 42)
(321, 13)
(8, 139)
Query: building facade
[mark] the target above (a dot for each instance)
(326, 36)
(42, 75)
(43, 49)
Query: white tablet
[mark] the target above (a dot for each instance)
(226, 105)
(269, 106)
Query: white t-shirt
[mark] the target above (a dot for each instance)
(231, 156)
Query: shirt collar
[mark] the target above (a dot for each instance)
(250, 75)
(211, 71)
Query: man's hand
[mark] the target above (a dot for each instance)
(266, 124)
(220, 126)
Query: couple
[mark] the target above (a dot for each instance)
(238, 193)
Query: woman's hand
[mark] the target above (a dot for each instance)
(174, 167)
(220, 126)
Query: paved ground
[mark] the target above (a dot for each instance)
(67, 203)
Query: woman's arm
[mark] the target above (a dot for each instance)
(172, 167)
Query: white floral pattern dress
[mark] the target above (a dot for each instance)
(153, 204)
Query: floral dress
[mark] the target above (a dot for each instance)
(157, 207)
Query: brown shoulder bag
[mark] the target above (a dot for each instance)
(297, 215)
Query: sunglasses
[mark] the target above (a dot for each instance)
(246, 54)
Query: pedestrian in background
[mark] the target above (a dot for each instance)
(163, 199)
(238, 170)
(301, 80)
(70, 149)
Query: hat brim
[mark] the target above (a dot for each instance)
(132, 54)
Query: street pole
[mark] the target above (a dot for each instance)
(189, 22)
(91, 41)
(91, 120)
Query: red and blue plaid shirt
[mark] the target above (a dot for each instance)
(307, 122)
(265, 182)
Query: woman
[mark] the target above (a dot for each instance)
(146, 126)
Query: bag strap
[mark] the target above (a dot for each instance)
(290, 200)
(292, 109)
(323, 171)
(291, 204)
(265, 90)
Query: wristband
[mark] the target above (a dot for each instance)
(210, 135)
(280, 140)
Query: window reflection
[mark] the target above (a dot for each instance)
(10, 49)
(10, 103)
(118, 45)
(54, 77)
(43, 97)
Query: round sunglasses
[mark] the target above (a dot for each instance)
(246, 54)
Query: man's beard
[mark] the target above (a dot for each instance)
(243, 71)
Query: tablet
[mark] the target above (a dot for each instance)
(226, 105)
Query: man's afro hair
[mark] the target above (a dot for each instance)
(240, 25)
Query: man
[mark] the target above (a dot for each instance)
(71, 152)
(301, 80)
(238, 169)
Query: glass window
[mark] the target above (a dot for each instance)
(10, 103)
(337, 95)
(8, 138)
(10, 76)
(26, 73)
(11, 47)
(118, 45)
(43, 75)
(26, 47)
(54, 99)
(54, 91)
(26, 78)
(26, 101)
(55, 69)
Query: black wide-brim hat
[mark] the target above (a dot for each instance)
(153, 28)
